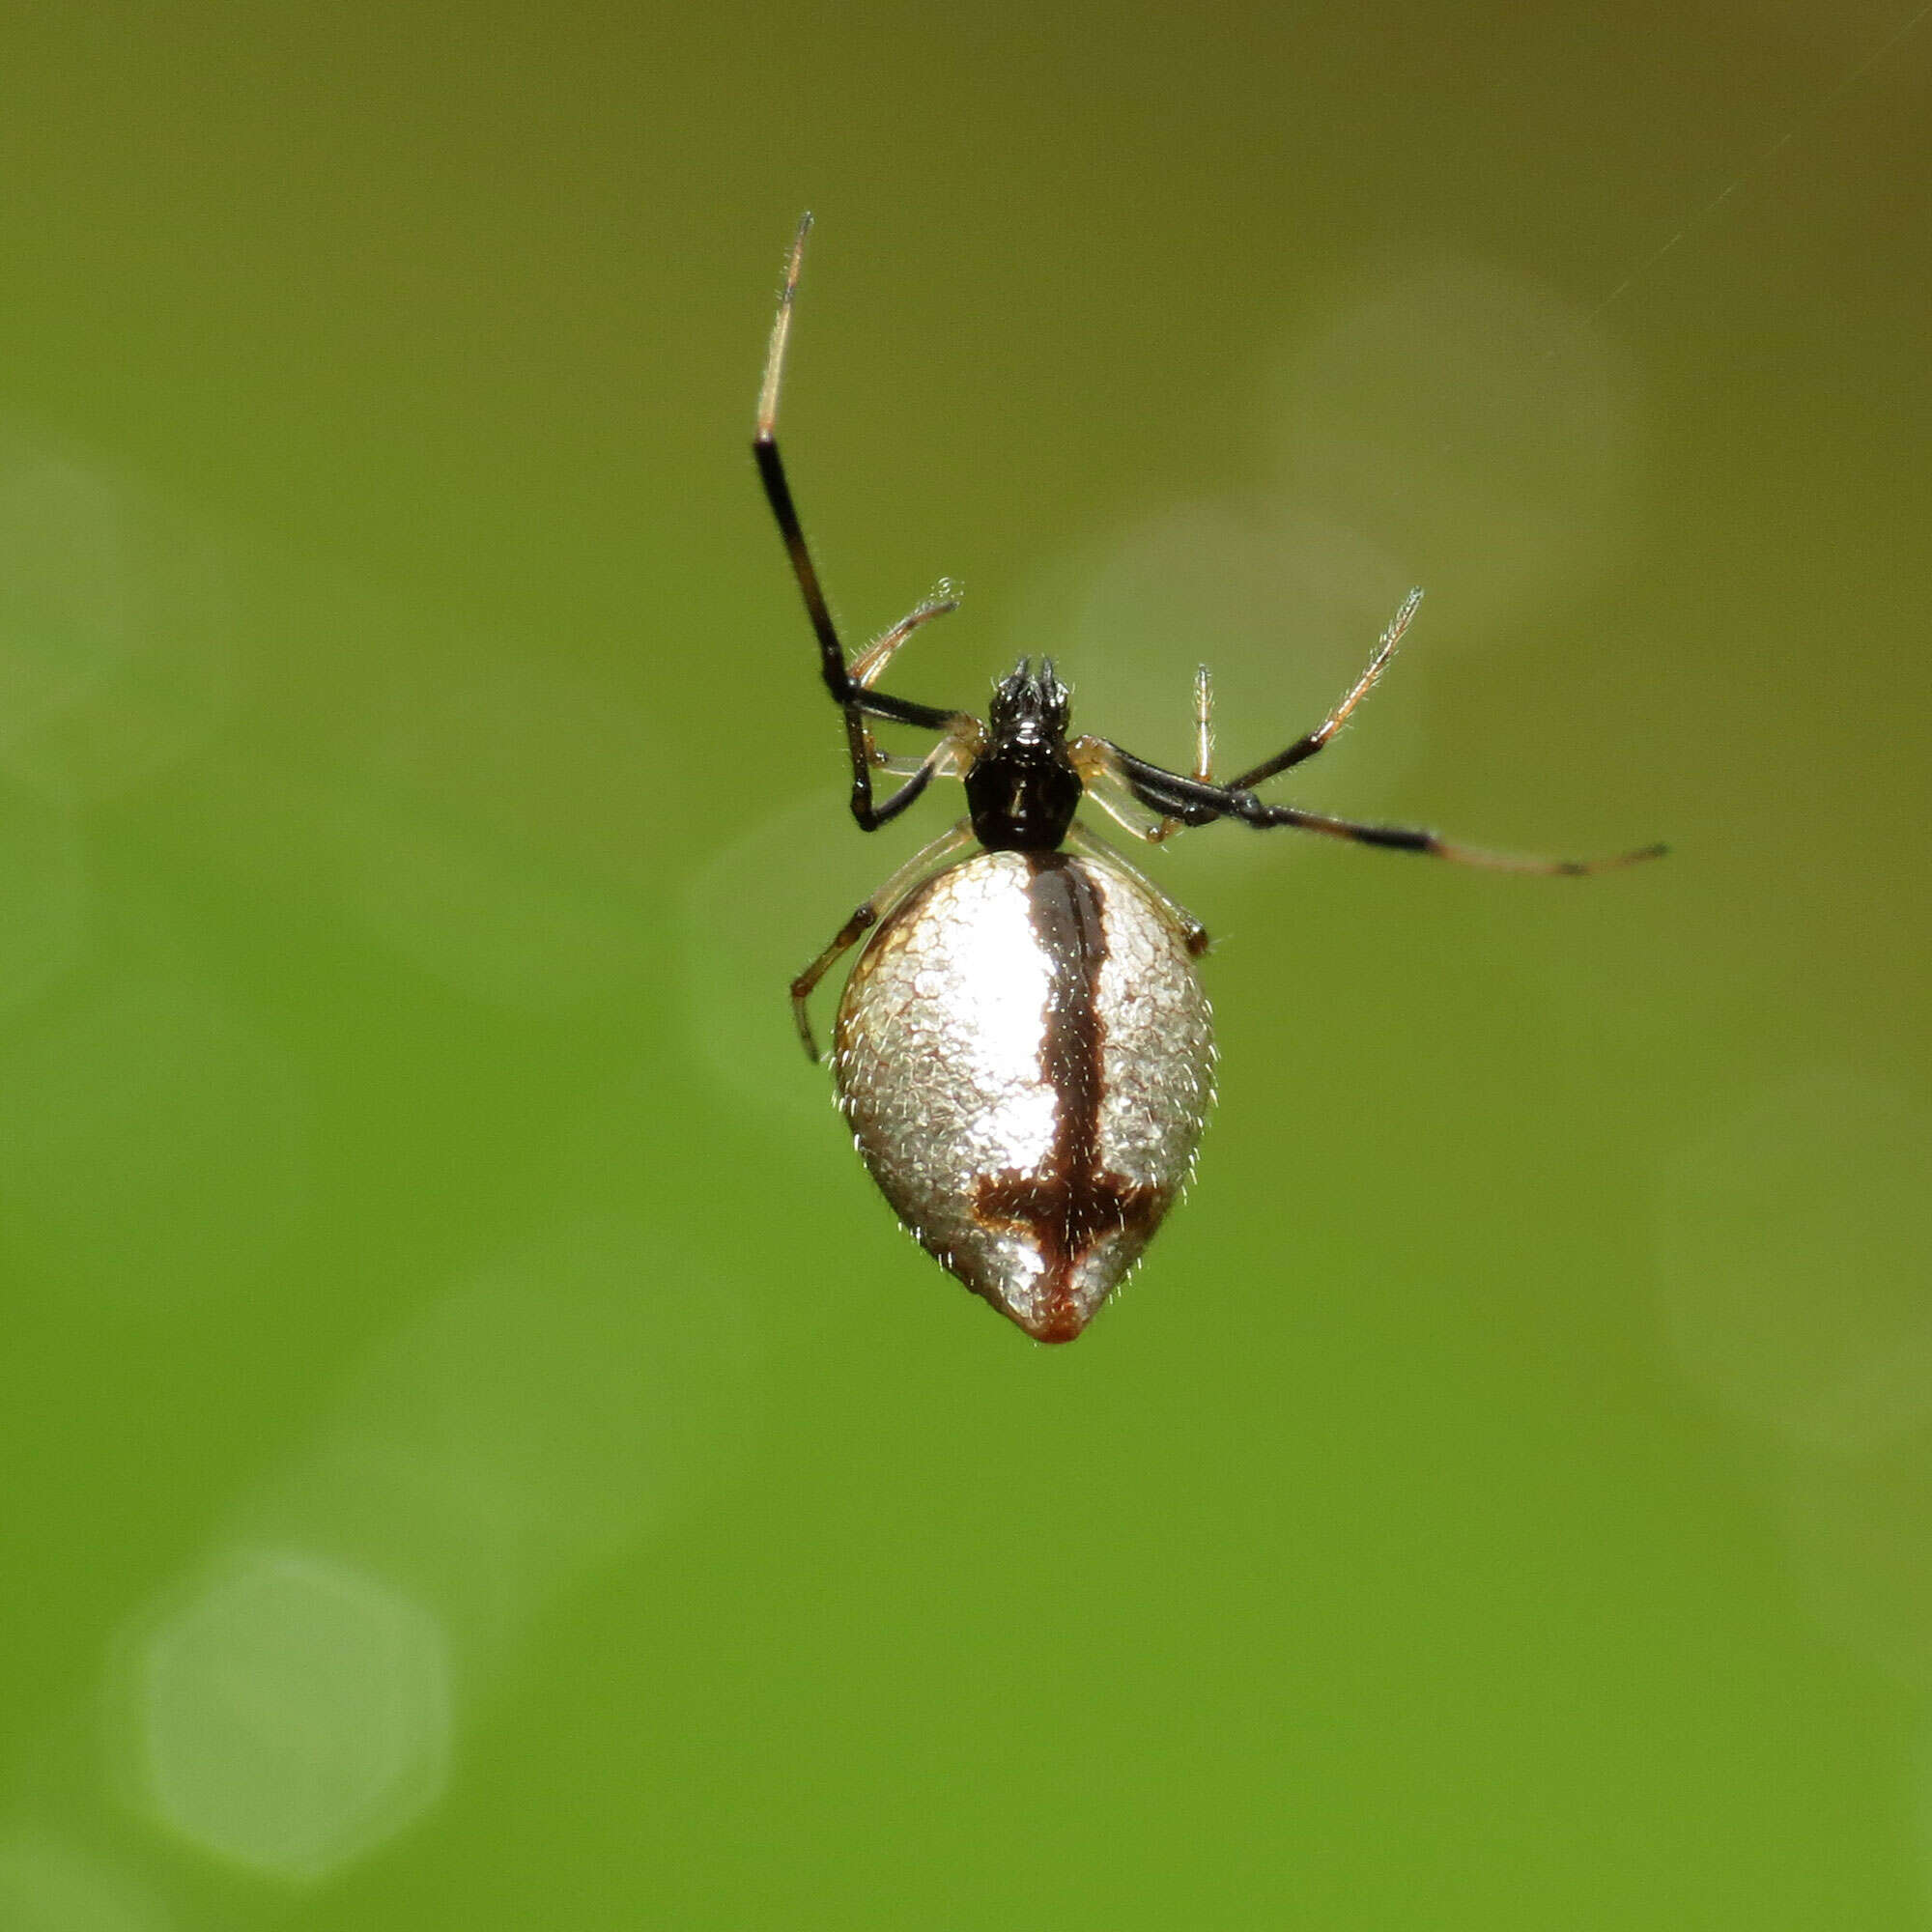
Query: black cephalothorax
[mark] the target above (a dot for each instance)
(1022, 789)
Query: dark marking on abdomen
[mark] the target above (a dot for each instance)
(1071, 1204)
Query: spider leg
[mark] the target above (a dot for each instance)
(1104, 780)
(922, 864)
(1413, 838)
(950, 758)
(850, 693)
(1306, 748)
(1303, 747)
(1196, 804)
(870, 664)
(1203, 724)
(1204, 746)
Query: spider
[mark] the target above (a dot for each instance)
(1024, 1051)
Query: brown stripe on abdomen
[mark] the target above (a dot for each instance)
(1071, 1203)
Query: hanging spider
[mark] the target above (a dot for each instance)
(1024, 1051)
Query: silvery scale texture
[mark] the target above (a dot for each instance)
(1026, 1059)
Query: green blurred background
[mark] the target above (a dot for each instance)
(477, 1451)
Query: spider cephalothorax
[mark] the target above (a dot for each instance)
(1022, 789)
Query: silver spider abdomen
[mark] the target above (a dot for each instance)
(1026, 1057)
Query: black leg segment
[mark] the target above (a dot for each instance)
(857, 704)
(1196, 804)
